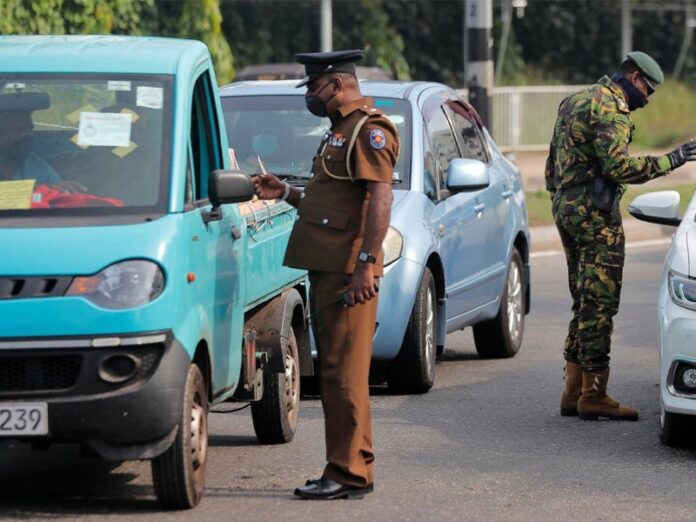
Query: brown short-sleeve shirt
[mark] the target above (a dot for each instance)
(332, 213)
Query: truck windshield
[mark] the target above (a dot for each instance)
(84, 144)
(279, 131)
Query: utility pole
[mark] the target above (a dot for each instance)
(326, 26)
(626, 29)
(479, 70)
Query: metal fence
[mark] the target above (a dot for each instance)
(523, 117)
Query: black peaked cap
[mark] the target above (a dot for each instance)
(317, 64)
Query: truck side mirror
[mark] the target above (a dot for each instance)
(225, 186)
(466, 175)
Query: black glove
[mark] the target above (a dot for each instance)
(682, 154)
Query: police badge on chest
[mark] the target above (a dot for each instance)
(336, 139)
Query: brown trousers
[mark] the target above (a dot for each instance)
(344, 342)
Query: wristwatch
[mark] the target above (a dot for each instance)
(367, 258)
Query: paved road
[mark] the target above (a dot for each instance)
(486, 443)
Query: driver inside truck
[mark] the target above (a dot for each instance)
(17, 161)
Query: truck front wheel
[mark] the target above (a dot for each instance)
(179, 473)
(275, 416)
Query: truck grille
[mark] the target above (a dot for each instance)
(24, 287)
(38, 372)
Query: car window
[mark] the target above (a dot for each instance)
(430, 170)
(467, 132)
(442, 142)
(280, 134)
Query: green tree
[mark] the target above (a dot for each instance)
(270, 31)
(202, 20)
(74, 16)
(368, 27)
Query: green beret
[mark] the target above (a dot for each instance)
(647, 66)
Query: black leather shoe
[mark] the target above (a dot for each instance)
(327, 489)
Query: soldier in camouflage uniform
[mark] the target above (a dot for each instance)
(586, 172)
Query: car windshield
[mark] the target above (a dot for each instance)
(84, 144)
(283, 135)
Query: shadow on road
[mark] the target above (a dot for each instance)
(64, 480)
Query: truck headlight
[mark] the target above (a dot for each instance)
(682, 290)
(122, 285)
(392, 246)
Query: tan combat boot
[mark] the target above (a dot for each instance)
(594, 401)
(573, 387)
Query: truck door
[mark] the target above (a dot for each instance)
(216, 245)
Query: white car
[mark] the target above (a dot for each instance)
(676, 315)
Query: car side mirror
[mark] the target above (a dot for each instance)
(657, 207)
(225, 186)
(466, 175)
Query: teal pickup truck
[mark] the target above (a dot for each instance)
(140, 282)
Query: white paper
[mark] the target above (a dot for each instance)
(104, 129)
(150, 97)
(117, 85)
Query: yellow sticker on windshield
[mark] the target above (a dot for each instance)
(122, 152)
(16, 195)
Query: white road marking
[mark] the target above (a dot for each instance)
(631, 244)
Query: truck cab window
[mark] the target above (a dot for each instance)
(204, 145)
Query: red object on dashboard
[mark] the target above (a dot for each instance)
(47, 197)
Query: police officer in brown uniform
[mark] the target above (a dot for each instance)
(343, 216)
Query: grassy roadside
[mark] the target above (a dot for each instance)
(539, 203)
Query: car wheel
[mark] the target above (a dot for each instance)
(676, 431)
(413, 371)
(501, 336)
(179, 473)
(275, 416)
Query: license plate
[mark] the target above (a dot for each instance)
(23, 418)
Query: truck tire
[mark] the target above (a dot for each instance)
(275, 416)
(179, 473)
(413, 370)
(501, 337)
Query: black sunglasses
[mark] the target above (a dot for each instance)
(648, 84)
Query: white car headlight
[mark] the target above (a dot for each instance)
(682, 290)
(392, 246)
(123, 285)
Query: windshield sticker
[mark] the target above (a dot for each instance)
(16, 195)
(150, 97)
(104, 129)
(117, 85)
(122, 152)
(74, 116)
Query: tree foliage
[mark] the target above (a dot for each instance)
(202, 20)
(573, 41)
(76, 16)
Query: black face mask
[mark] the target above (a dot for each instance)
(316, 105)
(636, 99)
(17, 151)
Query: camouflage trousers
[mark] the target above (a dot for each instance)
(594, 245)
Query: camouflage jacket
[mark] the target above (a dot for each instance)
(591, 139)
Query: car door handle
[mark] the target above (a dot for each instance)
(235, 232)
(506, 194)
(479, 208)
